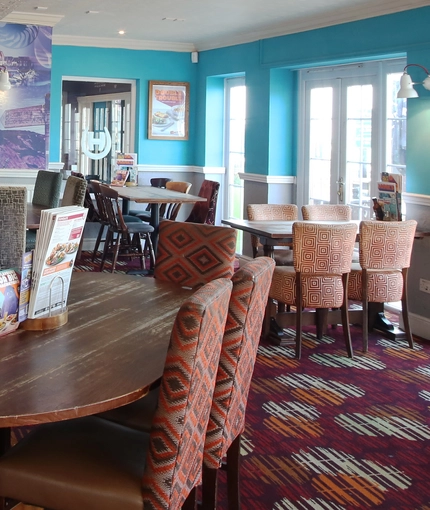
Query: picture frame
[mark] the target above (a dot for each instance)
(168, 110)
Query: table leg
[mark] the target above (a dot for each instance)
(155, 222)
(125, 206)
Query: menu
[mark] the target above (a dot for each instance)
(57, 243)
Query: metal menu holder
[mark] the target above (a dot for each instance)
(51, 321)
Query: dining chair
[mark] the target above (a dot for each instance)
(13, 218)
(284, 212)
(205, 212)
(170, 211)
(191, 254)
(47, 189)
(123, 238)
(156, 182)
(74, 191)
(319, 278)
(238, 354)
(103, 216)
(227, 418)
(46, 193)
(89, 463)
(381, 276)
(321, 212)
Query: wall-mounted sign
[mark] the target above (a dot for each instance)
(168, 111)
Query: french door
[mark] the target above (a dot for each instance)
(345, 135)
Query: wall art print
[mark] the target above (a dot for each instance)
(26, 53)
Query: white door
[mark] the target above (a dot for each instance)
(345, 133)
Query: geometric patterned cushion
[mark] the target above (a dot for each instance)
(192, 254)
(385, 249)
(175, 456)
(386, 244)
(321, 212)
(13, 219)
(384, 286)
(239, 350)
(322, 253)
(74, 191)
(283, 212)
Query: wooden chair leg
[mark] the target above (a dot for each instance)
(98, 241)
(345, 316)
(321, 321)
(299, 316)
(209, 488)
(233, 474)
(405, 310)
(191, 502)
(365, 305)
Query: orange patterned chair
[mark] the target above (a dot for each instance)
(319, 278)
(285, 212)
(239, 350)
(381, 276)
(93, 463)
(191, 254)
(321, 212)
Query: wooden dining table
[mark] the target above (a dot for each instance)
(154, 197)
(33, 215)
(110, 351)
(273, 232)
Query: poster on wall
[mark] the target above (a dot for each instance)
(25, 85)
(168, 110)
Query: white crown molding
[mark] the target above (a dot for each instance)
(268, 179)
(127, 44)
(415, 199)
(14, 174)
(32, 18)
(336, 17)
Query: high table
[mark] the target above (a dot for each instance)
(154, 196)
(110, 351)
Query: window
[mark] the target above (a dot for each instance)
(353, 127)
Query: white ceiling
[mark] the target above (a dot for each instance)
(188, 25)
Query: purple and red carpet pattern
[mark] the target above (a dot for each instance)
(330, 433)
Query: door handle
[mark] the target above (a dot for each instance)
(340, 185)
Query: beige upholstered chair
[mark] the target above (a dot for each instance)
(170, 211)
(319, 278)
(381, 276)
(285, 212)
(74, 191)
(89, 463)
(321, 212)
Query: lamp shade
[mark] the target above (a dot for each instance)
(4, 80)
(406, 87)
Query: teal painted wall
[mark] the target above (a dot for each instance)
(269, 69)
(141, 66)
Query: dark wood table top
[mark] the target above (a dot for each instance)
(107, 354)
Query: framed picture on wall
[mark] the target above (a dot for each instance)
(168, 111)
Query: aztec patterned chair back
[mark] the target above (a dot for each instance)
(321, 212)
(204, 212)
(170, 211)
(385, 255)
(74, 191)
(284, 212)
(319, 279)
(175, 458)
(191, 254)
(47, 189)
(13, 220)
(239, 350)
(92, 463)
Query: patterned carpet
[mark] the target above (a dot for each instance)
(328, 432)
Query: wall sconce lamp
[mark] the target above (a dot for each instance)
(406, 85)
(4, 78)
